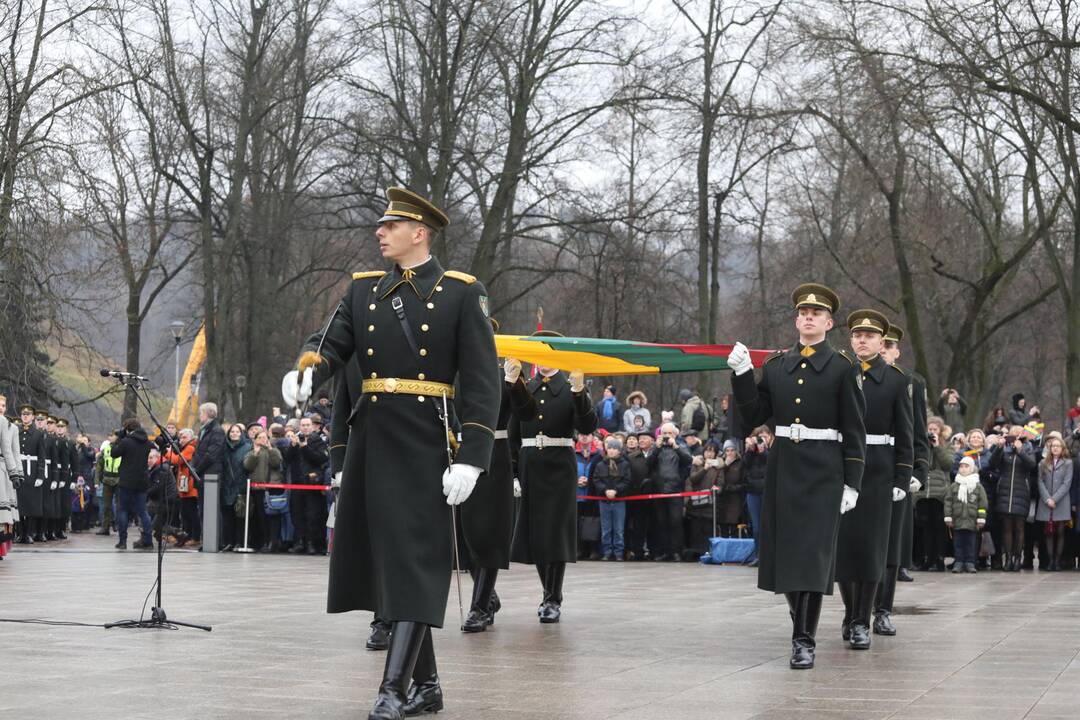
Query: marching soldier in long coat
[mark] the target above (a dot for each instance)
(811, 392)
(901, 527)
(864, 532)
(31, 497)
(546, 534)
(414, 329)
(51, 458)
(347, 393)
(69, 462)
(487, 517)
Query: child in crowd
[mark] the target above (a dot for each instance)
(965, 514)
(611, 479)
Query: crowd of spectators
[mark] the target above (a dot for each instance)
(160, 484)
(1000, 495)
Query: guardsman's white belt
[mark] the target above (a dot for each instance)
(542, 441)
(880, 440)
(798, 433)
(501, 435)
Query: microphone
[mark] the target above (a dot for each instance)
(121, 375)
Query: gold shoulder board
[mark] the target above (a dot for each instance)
(898, 369)
(463, 277)
(368, 274)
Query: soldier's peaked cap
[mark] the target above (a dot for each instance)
(26, 407)
(815, 295)
(870, 320)
(404, 204)
(895, 333)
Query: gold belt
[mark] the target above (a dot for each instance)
(408, 387)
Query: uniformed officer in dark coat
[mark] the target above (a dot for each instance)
(864, 532)
(415, 329)
(30, 495)
(811, 392)
(546, 533)
(68, 463)
(901, 527)
(47, 425)
(347, 393)
(487, 517)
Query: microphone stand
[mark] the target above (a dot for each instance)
(157, 620)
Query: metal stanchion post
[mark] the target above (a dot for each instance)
(713, 513)
(211, 510)
(247, 518)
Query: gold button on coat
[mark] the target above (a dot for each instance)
(421, 376)
(374, 375)
(370, 351)
(371, 306)
(800, 381)
(438, 288)
(423, 352)
(798, 401)
(374, 398)
(798, 420)
(420, 398)
(370, 328)
(803, 365)
(424, 327)
(431, 306)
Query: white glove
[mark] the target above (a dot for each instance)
(292, 393)
(898, 494)
(848, 500)
(52, 485)
(577, 381)
(980, 522)
(336, 482)
(739, 359)
(914, 486)
(39, 482)
(458, 482)
(517, 488)
(512, 369)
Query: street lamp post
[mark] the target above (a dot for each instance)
(176, 327)
(241, 382)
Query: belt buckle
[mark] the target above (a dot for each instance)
(390, 385)
(540, 441)
(796, 433)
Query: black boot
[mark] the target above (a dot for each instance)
(849, 606)
(379, 636)
(542, 570)
(903, 575)
(860, 619)
(883, 624)
(804, 629)
(480, 615)
(553, 606)
(425, 695)
(405, 641)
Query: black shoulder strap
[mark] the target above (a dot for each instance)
(399, 310)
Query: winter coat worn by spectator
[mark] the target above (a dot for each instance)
(1017, 415)
(953, 414)
(263, 465)
(704, 478)
(696, 415)
(668, 468)
(209, 454)
(162, 492)
(603, 479)
(132, 448)
(1055, 481)
(235, 477)
(729, 503)
(609, 414)
(965, 513)
(1014, 469)
(184, 484)
(632, 412)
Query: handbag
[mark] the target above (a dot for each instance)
(276, 504)
(986, 547)
(590, 528)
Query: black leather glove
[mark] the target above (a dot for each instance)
(16, 481)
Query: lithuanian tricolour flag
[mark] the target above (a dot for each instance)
(598, 356)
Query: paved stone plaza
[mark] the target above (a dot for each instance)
(637, 642)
